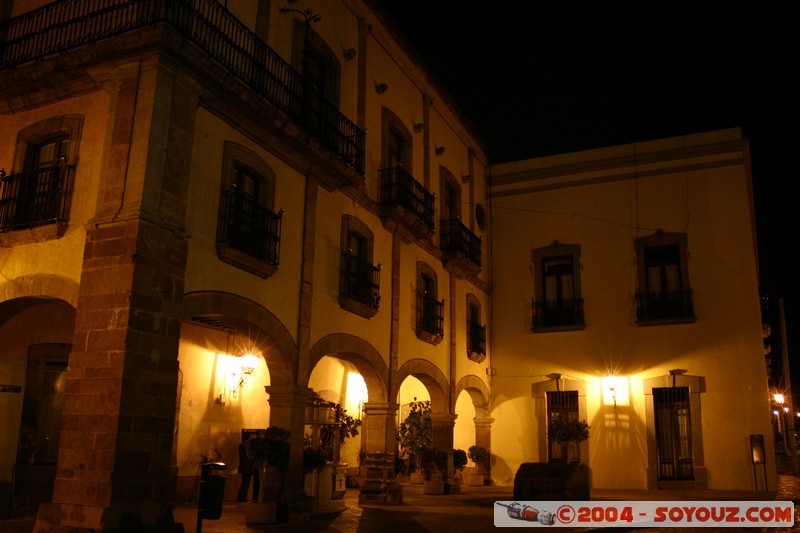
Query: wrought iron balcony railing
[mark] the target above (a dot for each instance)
(552, 314)
(667, 305)
(64, 25)
(360, 280)
(399, 188)
(457, 238)
(249, 227)
(430, 315)
(476, 338)
(35, 198)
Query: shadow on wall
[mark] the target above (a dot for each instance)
(618, 448)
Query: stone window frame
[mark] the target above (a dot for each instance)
(323, 55)
(538, 256)
(473, 308)
(425, 270)
(662, 238)
(390, 123)
(234, 155)
(70, 126)
(352, 224)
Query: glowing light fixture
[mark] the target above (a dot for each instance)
(615, 390)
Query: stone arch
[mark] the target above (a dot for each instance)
(41, 285)
(478, 392)
(433, 379)
(231, 312)
(361, 354)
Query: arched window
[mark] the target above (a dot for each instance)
(248, 231)
(359, 279)
(37, 192)
(476, 331)
(430, 310)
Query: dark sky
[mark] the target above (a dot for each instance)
(541, 77)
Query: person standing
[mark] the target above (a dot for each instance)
(247, 470)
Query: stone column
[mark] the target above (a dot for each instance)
(287, 408)
(379, 443)
(483, 437)
(115, 452)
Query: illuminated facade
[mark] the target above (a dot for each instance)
(634, 307)
(184, 185)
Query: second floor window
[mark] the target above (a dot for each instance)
(359, 279)
(476, 331)
(557, 303)
(35, 194)
(248, 232)
(664, 293)
(430, 310)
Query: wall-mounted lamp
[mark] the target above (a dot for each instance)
(439, 150)
(234, 373)
(381, 88)
(418, 127)
(349, 54)
(615, 390)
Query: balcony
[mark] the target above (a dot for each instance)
(359, 285)
(406, 205)
(461, 248)
(430, 318)
(563, 315)
(476, 341)
(66, 25)
(37, 199)
(248, 234)
(667, 307)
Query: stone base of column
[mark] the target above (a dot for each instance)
(381, 492)
(146, 517)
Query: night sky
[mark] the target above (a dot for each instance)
(540, 77)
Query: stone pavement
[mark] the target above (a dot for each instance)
(468, 512)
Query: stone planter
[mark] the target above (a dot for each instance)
(434, 485)
(475, 480)
(552, 481)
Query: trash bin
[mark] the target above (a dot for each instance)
(212, 489)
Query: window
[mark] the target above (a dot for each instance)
(316, 61)
(461, 247)
(430, 311)
(673, 433)
(36, 194)
(359, 283)
(248, 231)
(476, 332)
(664, 294)
(396, 142)
(557, 304)
(563, 404)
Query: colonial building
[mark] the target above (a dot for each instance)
(184, 183)
(625, 294)
(189, 183)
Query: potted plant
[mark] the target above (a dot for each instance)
(269, 451)
(434, 465)
(563, 430)
(480, 456)
(414, 437)
(459, 461)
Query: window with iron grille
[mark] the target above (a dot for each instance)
(557, 304)
(673, 433)
(476, 331)
(664, 294)
(359, 279)
(248, 231)
(430, 310)
(36, 194)
(563, 404)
